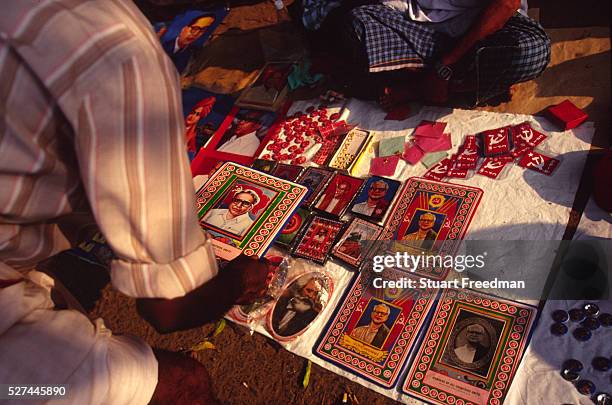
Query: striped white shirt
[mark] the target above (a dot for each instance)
(91, 122)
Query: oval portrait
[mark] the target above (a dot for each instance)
(300, 303)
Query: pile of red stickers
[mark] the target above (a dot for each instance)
(305, 137)
(491, 151)
(428, 137)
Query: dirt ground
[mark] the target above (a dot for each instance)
(250, 368)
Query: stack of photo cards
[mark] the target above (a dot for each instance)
(352, 146)
(471, 350)
(244, 209)
(317, 239)
(356, 241)
(430, 218)
(374, 330)
(269, 90)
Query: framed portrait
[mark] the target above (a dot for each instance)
(374, 330)
(350, 149)
(430, 217)
(314, 179)
(375, 199)
(291, 230)
(356, 241)
(244, 210)
(269, 90)
(299, 305)
(265, 166)
(471, 349)
(188, 32)
(287, 172)
(204, 113)
(317, 239)
(337, 196)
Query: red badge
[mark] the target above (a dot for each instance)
(539, 162)
(524, 133)
(439, 170)
(492, 167)
(496, 141)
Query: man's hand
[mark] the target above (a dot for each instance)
(242, 281)
(435, 89)
(251, 275)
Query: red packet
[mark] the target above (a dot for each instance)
(439, 170)
(524, 133)
(384, 166)
(430, 129)
(434, 144)
(492, 167)
(457, 172)
(520, 149)
(566, 115)
(539, 162)
(496, 141)
(412, 153)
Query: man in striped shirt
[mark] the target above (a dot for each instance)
(91, 131)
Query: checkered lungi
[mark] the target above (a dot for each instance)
(388, 40)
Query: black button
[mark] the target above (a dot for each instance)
(582, 334)
(585, 387)
(569, 375)
(591, 323)
(601, 364)
(603, 398)
(605, 319)
(591, 309)
(572, 365)
(577, 314)
(558, 329)
(560, 315)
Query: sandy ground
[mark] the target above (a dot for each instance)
(250, 368)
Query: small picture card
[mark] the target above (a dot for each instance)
(244, 210)
(430, 216)
(287, 172)
(439, 170)
(356, 241)
(384, 166)
(539, 162)
(391, 146)
(265, 166)
(374, 330)
(471, 350)
(337, 196)
(349, 150)
(492, 167)
(314, 179)
(525, 134)
(269, 90)
(375, 198)
(300, 303)
(293, 226)
(317, 239)
(496, 141)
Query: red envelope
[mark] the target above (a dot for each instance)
(566, 115)
(434, 144)
(430, 129)
(539, 162)
(384, 166)
(492, 167)
(412, 153)
(524, 133)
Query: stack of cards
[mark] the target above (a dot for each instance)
(350, 149)
(428, 137)
(497, 148)
(374, 329)
(471, 350)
